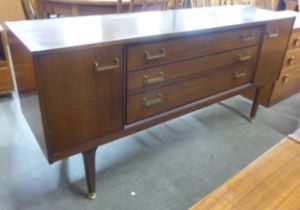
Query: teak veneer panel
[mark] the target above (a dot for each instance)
(271, 182)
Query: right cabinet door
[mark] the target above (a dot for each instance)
(273, 50)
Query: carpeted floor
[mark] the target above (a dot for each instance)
(167, 167)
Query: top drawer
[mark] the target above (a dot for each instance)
(144, 55)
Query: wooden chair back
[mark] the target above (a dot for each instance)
(30, 9)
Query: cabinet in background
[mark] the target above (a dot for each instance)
(6, 84)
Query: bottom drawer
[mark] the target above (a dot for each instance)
(147, 104)
(6, 84)
(288, 83)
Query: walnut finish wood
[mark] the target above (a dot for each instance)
(276, 38)
(91, 103)
(184, 70)
(288, 83)
(86, 92)
(216, 80)
(191, 47)
(270, 182)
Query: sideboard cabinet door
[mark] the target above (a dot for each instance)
(81, 95)
(277, 35)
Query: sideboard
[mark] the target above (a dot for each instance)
(99, 78)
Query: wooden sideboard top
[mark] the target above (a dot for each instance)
(55, 34)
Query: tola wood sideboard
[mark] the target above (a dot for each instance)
(99, 78)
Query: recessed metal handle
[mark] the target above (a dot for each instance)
(297, 41)
(273, 34)
(150, 81)
(244, 56)
(239, 74)
(99, 68)
(291, 60)
(248, 37)
(150, 102)
(285, 78)
(148, 56)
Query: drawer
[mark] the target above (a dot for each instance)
(146, 55)
(147, 104)
(294, 41)
(292, 58)
(6, 84)
(288, 83)
(155, 77)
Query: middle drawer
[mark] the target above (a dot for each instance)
(153, 102)
(144, 80)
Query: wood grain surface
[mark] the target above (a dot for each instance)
(49, 35)
(271, 182)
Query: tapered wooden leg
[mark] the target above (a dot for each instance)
(255, 104)
(90, 172)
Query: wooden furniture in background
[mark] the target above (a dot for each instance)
(266, 4)
(92, 7)
(117, 76)
(30, 9)
(270, 182)
(288, 82)
(6, 83)
(291, 4)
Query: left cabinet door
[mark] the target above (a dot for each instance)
(81, 94)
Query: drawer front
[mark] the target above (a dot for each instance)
(145, 55)
(292, 58)
(288, 83)
(295, 40)
(6, 84)
(147, 104)
(138, 81)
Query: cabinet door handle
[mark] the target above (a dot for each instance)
(99, 68)
(248, 37)
(291, 60)
(154, 101)
(273, 34)
(244, 56)
(148, 56)
(239, 74)
(150, 81)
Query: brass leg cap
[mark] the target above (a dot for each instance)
(92, 196)
(252, 120)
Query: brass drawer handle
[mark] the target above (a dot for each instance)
(273, 34)
(291, 60)
(154, 101)
(239, 74)
(244, 56)
(99, 68)
(150, 81)
(248, 37)
(162, 53)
